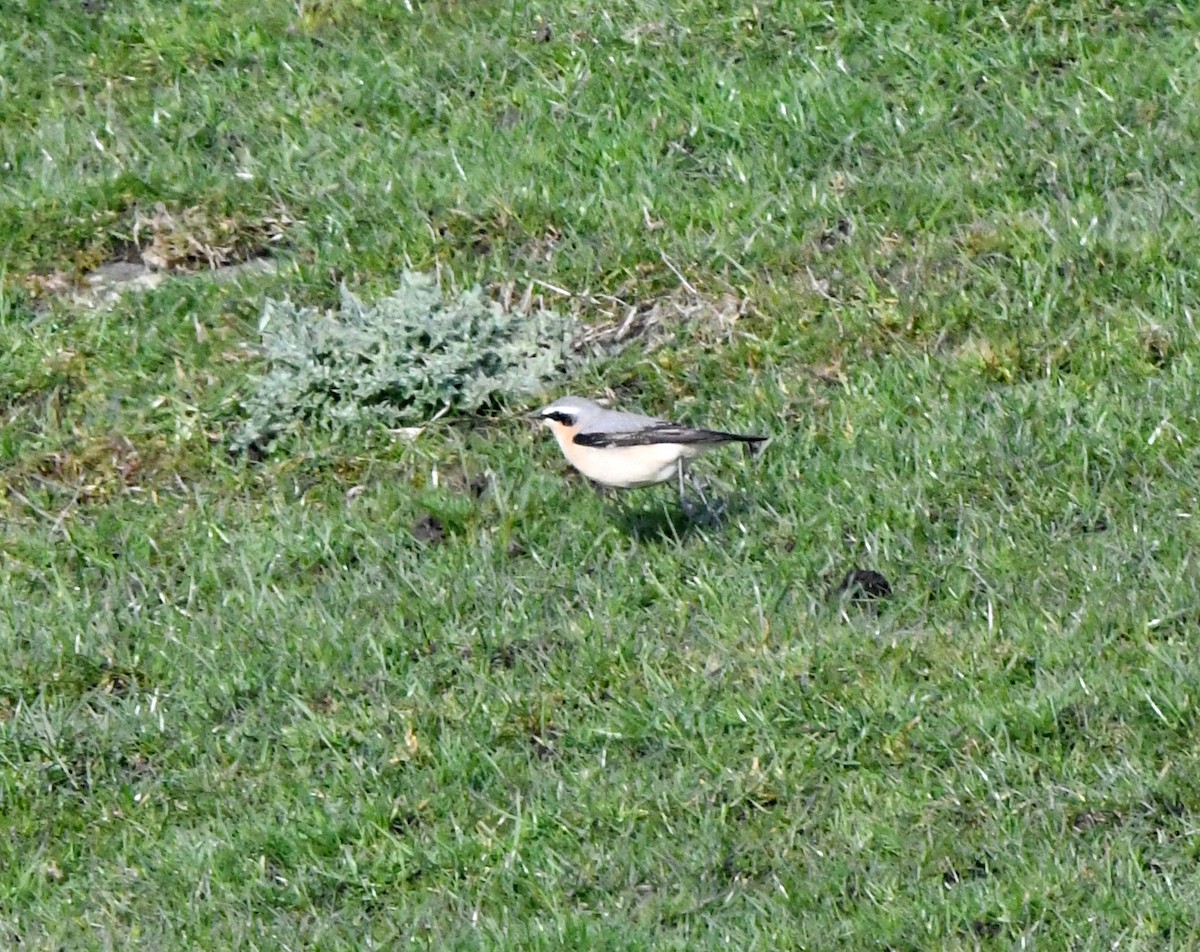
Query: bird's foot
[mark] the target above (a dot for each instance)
(705, 511)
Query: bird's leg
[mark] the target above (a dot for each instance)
(683, 503)
(703, 498)
(689, 510)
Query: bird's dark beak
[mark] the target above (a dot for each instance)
(534, 417)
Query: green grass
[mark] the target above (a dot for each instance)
(244, 706)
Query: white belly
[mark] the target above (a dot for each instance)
(628, 467)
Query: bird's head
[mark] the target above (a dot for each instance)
(565, 413)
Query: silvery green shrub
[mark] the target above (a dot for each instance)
(398, 361)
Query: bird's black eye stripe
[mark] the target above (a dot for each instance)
(558, 416)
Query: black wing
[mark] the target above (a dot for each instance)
(661, 433)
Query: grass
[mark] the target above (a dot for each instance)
(246, 704)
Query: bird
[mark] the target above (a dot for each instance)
(629, 450)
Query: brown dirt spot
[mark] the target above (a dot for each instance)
(541, 248)
(1089, 819)
(55, 484)
(158, 244)
(193, 239)
(54, 284)
(655, 321)
(103, 463)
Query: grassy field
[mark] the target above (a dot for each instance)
(250, 703)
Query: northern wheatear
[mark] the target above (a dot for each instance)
(628, 450)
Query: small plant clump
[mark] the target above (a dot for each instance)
(398, 361)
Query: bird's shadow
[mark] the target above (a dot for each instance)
(669, 522)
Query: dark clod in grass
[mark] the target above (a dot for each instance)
(429, 529)
(543, 33)
(115, 681)
(1089, 819)
(1157, 344)
(543, 742)
(1088, 526)
(504, 657)
(477, 486)
(514, 550)
(839, 233)
(864, 585)
(977, 870)
(404, 821)
(985, 928)
(256, 451)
